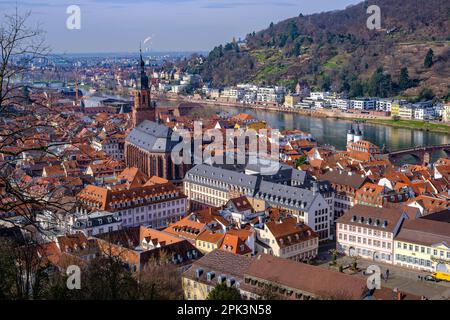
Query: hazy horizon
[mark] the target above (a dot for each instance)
(117, 26)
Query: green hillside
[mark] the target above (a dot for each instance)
(335, 50)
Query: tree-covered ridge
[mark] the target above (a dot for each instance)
(336, 50)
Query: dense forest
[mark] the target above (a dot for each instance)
(408, 56)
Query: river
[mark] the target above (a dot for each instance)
(334, 131)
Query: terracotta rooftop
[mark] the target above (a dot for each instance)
(320, 282)
(384, 219)
(289, 232)
(424, 231)
(340, 177)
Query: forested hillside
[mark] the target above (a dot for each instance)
(335, 50)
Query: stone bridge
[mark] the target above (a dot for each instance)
(422, 154)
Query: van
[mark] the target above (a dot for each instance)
(441, 276)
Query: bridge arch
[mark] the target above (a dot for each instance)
(405, 156)
(422, 154)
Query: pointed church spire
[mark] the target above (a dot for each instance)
(144, 77)
(143, 108)
(140, 54)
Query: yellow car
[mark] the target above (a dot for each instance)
(441, 276)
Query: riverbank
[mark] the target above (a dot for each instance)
(411, 124)
(367, 118)
(323, 113)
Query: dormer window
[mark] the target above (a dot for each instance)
(210, 276)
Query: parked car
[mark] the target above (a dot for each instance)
(430, 278)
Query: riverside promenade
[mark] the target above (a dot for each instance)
(322, 113)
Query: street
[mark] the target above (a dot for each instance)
(405, 280)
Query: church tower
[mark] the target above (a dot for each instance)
(143, 108)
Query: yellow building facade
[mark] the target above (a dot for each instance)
(446, 113)
(420, 257)
(208, 241)
(395, 109)
(196, 290)
(291, 100)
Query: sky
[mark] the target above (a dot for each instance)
(173, 25)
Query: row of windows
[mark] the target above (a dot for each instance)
(362, 240)
(205, 244)
(100, 231)
(208, 190)
(413, 260)
(304, 255)
(203, 198)
(341, 197)
(153, 223)
(341, 205)
(421, 249)
(321, 212)
(368, 253)
(149, 199)
(151, 215)
(367, 231)
(217, 183)
(322, 226)
(300, 246)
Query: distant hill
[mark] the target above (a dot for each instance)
(336, 50)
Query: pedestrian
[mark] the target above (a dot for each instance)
(387, 274)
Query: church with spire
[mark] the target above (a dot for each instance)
(149, 145)
(143, 108)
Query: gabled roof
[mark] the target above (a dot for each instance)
(383, 219)
(320, 282)
(229, 176)
(289, 232)
(186, 228)
(290, 196)
(425, 232)
(370, 189)
(240, 204)
(233, 243)
(211, 237)
(339, 177)
(152, 137)
(431, 204)
(158, 236)
(221, 261)
(133, 176)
